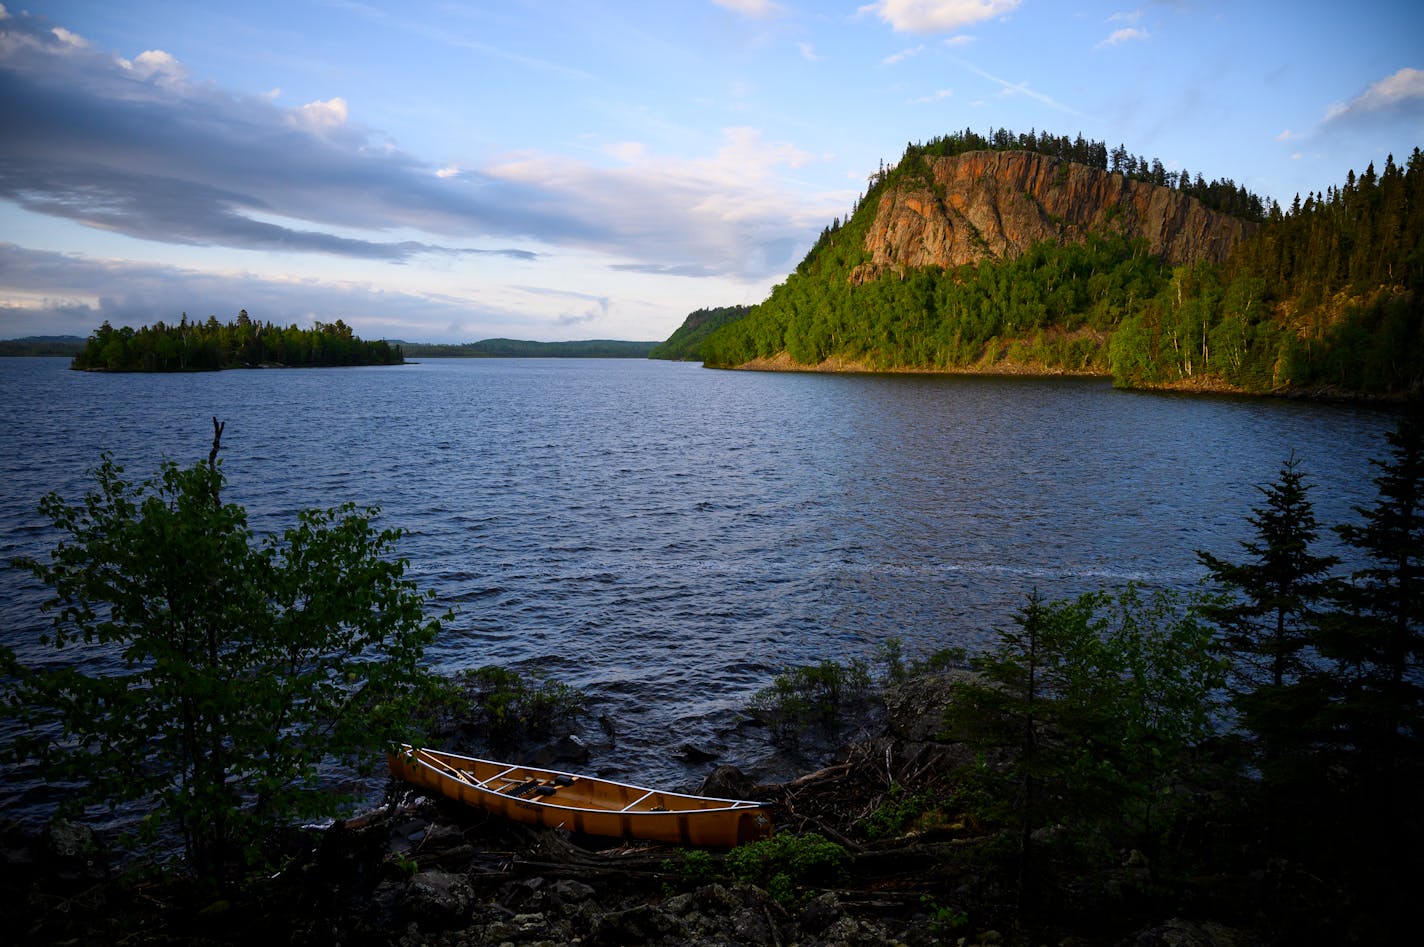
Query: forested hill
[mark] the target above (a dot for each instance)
(686, 343)
(516, 348)
(1069, 258)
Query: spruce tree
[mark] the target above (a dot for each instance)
(1265, 621)
(1266, 615)
(1376, 639)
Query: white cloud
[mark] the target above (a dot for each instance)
(1131, 16)
(69, 39)
(959, 39)
(760, 9)
(726, 213)
(1287, 135)
(321, 116)
(902, 55)
(449, 171)
(1401, 92)
(937, 16)
(154, 64)
(4, 14)
(1125, 35)
(808, 52)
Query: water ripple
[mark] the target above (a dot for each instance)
(668, 537)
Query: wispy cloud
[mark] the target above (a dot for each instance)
(937, 96)
(937, 16)
(147, 153)
(67, 293)
(1127, 34)
(902, 55)
(1007, 88)
(757, 9)
(455, 39)
(808, 52)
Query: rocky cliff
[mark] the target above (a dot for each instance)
(996, 204)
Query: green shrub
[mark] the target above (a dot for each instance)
(804, 698)
(784, 863)
(507, 707)
(898, 813)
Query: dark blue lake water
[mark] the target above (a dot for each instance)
(668, 537)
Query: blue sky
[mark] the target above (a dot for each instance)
(452, 171)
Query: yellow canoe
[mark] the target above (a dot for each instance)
(584, 804)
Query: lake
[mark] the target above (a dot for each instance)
(668, 537)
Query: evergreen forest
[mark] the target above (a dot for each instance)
(213, 346)
(1324, 298)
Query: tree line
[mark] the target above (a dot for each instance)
(516, 348)
(1325, 296)
(42, 346)
(1220, 194)
(213, 346)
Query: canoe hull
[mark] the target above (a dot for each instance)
(585, 804)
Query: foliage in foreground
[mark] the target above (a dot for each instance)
(232, 668)
(1096, 703)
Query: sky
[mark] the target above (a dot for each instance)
(447, 171)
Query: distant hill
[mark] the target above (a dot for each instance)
(514, 348)
(686, 343)
(1052, 256)
(31, 345)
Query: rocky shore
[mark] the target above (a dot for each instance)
(420, 871)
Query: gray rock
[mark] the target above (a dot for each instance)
(643, 924)
(1180, 933)
(439, 896)
(73, 851)
(567, 891)
(820, 913)
(726, 782)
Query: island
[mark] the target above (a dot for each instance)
(214, 346)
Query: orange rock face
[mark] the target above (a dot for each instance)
(996, 204)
